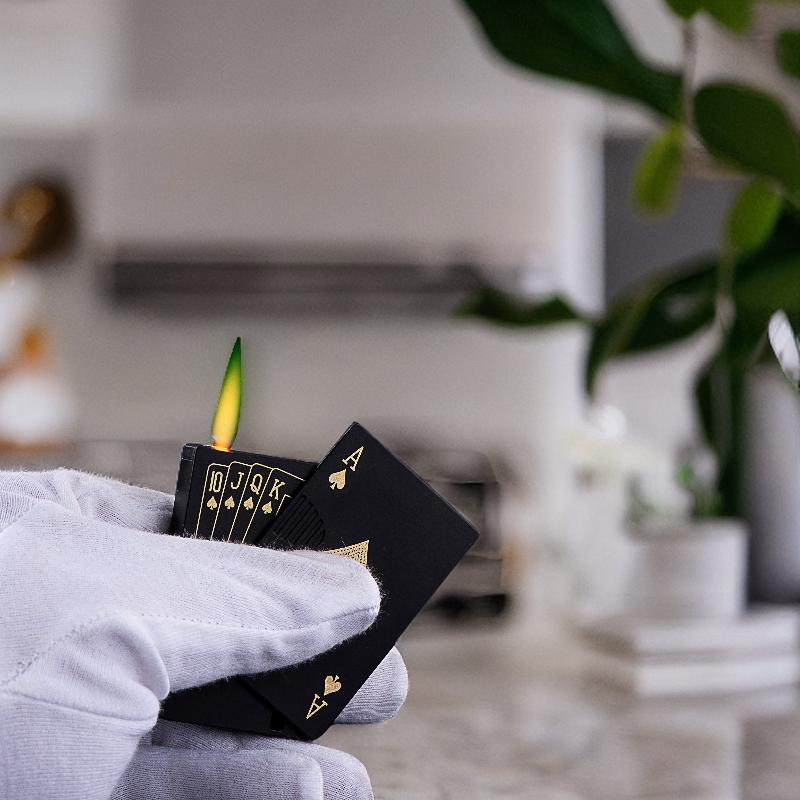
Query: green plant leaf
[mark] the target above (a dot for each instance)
(657, 313)
(578, 41)
(733, 14)
(749, 129)
(769, 278)
(787, 47)
(719, 396)
(502, 308)
(766, 279)
(775, 285)
(685, 8)
(753, 216)
(658, 171)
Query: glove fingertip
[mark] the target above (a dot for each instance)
(382, 696)
(356, 577)
(397, 690)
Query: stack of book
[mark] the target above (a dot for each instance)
(758, 650)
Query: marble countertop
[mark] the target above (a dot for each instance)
(498, 713)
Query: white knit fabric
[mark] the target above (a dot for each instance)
(100, 619)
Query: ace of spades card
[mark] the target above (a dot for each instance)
(383, 515)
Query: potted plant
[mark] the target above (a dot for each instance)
(690, 564)
(728, 126)
(665, 551)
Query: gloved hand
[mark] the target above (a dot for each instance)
(100, 619)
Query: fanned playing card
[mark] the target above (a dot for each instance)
(232, 495)
(363, 503)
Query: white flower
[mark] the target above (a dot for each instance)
(603, 450)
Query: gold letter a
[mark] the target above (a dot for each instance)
(317, 704)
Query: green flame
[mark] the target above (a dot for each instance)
(229, 406)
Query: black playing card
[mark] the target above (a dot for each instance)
(364, 503)
(267, 491)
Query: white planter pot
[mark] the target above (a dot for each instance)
(689, 570)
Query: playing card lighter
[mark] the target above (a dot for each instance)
(226, 494)
(361, 501)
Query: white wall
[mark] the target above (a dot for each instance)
(284, 54)
(452, 182)
(413, 133)
(356, 121)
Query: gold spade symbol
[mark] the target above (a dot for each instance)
(332, 684)
(229, 504)
(337, 479)
(317, 704)
(248, 504)
(358, 552)
(267, 507)
(212, 503)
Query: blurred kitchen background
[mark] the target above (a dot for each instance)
(331, 181)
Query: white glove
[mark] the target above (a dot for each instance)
(100, 620)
